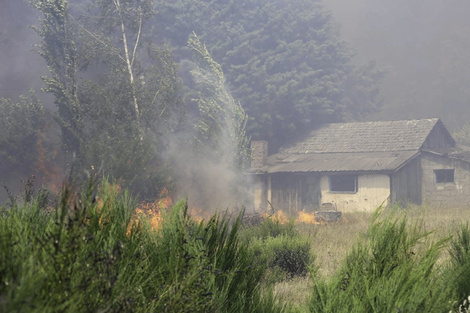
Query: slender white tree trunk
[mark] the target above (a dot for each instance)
(128, 59)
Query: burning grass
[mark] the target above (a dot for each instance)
(302, 217)
(152, 211)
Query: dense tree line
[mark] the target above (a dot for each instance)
(119, 71)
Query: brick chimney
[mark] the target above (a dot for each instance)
(259, 153)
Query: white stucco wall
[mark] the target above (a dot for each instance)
(373, 190)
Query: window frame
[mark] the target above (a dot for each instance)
(442, 176)
(332, 182)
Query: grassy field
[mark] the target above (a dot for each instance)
(332, 242)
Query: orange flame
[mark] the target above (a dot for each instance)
(153, 210)
(306, 218)
(280, 216)
(165, 201)
(302, 217)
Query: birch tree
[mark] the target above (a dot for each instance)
(128, 18)
(122, 93)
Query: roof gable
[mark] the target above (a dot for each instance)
(379, 136)
(439, 138)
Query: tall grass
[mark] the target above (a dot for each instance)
(91, 254)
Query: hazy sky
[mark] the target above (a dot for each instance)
(20, 67)
(424, 47)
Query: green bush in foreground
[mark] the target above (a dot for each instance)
(458, 272)
(91, 254)
(395, 271)
(280, 248)
(284, 256)
(398, 269)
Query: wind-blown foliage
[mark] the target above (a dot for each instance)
(222, 121)
(60, 54)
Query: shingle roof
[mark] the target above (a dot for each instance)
(366, 137)
(340, 162)
(364, 146)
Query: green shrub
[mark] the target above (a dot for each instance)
(292, 255)
(205, 266)
(395, 271)
(458, 273)
(284, 256)
(91, 254)
(279, 248)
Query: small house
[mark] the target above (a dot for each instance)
(360, 166)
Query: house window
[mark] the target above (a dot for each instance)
(444, 176)
(343, 183)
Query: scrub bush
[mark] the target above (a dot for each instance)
(290, 255)
(92, 253)
(458, 273)
(395, 271)
(280, 248)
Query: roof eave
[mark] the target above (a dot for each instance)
(407, 161)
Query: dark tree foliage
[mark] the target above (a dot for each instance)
(60, 54)
(21, 124)
(284, 60)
